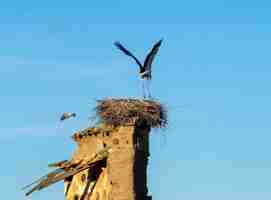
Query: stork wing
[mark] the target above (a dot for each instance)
(149, 59)
(63, 117)
(67, 115)
(122, 48)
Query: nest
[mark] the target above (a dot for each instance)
(126, 111)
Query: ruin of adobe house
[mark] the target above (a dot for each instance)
(110, 162)
(122, 175)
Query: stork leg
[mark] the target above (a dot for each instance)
(143, 87)
(147, 86)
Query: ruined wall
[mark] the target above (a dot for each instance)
(110, 162)
(122, 176)
(141, 162)
(121, 165)
(83, 185)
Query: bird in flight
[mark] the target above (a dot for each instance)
(67, 115)
(145, 69)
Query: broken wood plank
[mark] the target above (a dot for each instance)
(68, 170)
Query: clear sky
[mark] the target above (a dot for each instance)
(213, 72)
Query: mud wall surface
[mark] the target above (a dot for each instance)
(122, 176)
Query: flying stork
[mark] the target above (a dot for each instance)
(145, 69)
(67, 115)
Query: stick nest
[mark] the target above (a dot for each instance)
(126, 111)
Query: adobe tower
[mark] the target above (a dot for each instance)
(110, 162)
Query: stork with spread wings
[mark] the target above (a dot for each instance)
(145, 69)
(67, 115)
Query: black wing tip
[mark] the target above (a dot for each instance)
(160, 41)
(118, 44)
(120, 47)
(28, 193)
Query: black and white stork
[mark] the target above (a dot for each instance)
(145, 69)
(67, 115)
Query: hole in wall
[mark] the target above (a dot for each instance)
(83, 178)
(115, 141)
(76, 197)
(92, 178)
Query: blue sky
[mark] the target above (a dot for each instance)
(213, 72)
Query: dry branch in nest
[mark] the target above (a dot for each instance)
(125, 111)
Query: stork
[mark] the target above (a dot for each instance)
(67, 115)
(145, 69)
